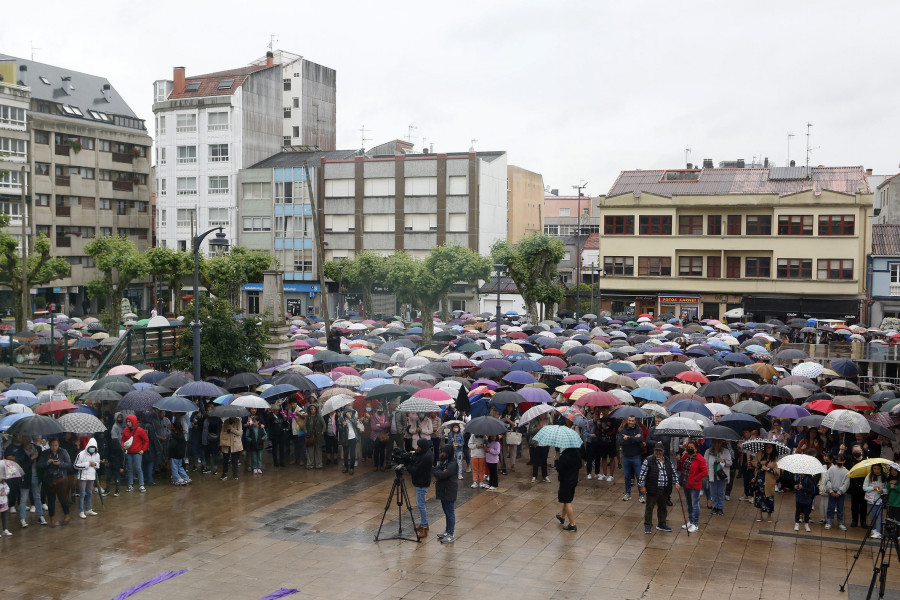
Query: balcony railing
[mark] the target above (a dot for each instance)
(895, 289)
(123, 186)
(63, 150)
(63, 211)
(62, 180)
(63, 241)
(123, 157)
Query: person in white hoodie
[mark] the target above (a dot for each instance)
(86, 464)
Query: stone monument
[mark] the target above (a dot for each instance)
(272, 308)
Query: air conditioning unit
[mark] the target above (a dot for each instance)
(407, 228)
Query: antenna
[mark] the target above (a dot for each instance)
(363, 131)
(789, 136)
(808, 127)
(424, 146)
(472, 147)
(33, 48)
(409, 133)
(273, 38)
(687, 154)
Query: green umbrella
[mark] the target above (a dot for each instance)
(558, 437)
(142, 322)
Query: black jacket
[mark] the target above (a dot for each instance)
(568, 466)
(652, 480)
(420, 470)
(445, 476)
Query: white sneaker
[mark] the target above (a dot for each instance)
(44, 506)
(796, 526)
(533, 479)
(589, 476)
(547, 479)
(474, 485)
(459, 476)
(728, 497)
(42, 520)
(875, 535)
(806, 527)
(32, 509)
(92, 513)
(23, 523)
(842, 527)
(692, 528)
(7, 533)
(684, 526)
(609, 478)
(82, 515)
(484, 485)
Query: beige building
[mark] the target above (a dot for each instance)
(775, 242)
(524, 204)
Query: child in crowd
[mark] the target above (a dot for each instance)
(837, 481)
(476, 451)
(4, 506)
(457, 441)
(493, 459)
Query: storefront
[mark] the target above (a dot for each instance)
(299, 298)
(686, 308)
(762, 309)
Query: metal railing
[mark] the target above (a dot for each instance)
(156, 347)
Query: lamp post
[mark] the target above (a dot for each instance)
(599, 293)
(499, 269)
(340, 294)
(578, 253)
(220, 241)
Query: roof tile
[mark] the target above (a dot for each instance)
(209, 83)
(885, 240)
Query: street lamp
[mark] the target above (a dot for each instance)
(499, 269)
(220, 241)
(578, 253)
(340, 294)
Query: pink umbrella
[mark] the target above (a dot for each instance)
(122, 370)
(598, 399)
(433, 394)
(338, 371)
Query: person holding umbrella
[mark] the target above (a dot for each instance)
(314, 434)
(348, 434)
(537, 452)
(718, 464)
(26, 453)
(875, 486)
(805, 487)
(656, 480)
(693, 472)
(55, 463)
(766, 473)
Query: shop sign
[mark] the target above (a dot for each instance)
(680, 299)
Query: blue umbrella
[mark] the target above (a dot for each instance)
(225, 399)
(81, 408)
(21, 396)
(202, 389)
(370, 384)
(689, 405)
(376, 373)
(624, 412)
(620, 367)
(530, 366)
(321, 381)
(7, 421)
(739, 421)
(650, 394)
(21, 385)
(735, 357)
(141, 385)
(280, 390)
(177, 404)
(86, 343)
(844, 367)
(522, 377)
(153, 377)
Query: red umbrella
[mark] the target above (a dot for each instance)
(552, 361)
(569, 412)
(677, 397)
(55, 407)
(579, 386)
(693, 377)
(598, 399)
(821, 406)
(574, 379)
(554, 351)
(462, 363)
(433, 394)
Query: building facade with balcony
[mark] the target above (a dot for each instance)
(561, 219)
(777, 242)
(884, 273)
(89, 170)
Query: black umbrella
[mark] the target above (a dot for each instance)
(48, 381)
(9, 371)
(102, 395)
(720, 432)
(882, 430)
(242, 381)
(175, 380)
(201, 389)
(139, 400)
(105, 381)
(810, 421)
(707, 363)
(507, 397)
(671, 369)
(119, 387)
(773, 391)
(720, 387)
(177, 404)
(791, 354)
(36, 425)
(227, 410)
(485, 426)
(295, 379)
(389, 391)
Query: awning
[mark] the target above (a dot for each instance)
(819, 308)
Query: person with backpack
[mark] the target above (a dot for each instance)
(135, 442)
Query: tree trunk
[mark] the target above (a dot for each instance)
(19, 308)
(427, 323)
(531, 311)
(368, 306)
(115, 311)
(445, 309)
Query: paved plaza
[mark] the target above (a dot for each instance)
(313, 530)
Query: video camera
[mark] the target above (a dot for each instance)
(401, 458)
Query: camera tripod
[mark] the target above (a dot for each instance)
(889, 544)
(398, 491)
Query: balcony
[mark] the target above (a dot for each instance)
(63, 211)
(63, 180)
(63, 241)
(63, 150)
(895, 289)
(122, 186)
(123, 157)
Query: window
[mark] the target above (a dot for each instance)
(654, 266)
(794, 268)
(192, 86)
(105, 204)
(551, 229)
(257, 191)
(11, 115)
(379, 186)
(296, 102)
(681, 175)
(340, 223)
(832, 268)
(690, 266)
(225, 84)
(456, 222)
(42, 199)
(218, 185)
(758, 266)
(895, 273)
(375, 223)
(187, 154)
(182, 245)
(186, 123)
(420, 186)
(161, 125)
(218, 217)
(105, 175)
(286, 140)
(759, 225)
(87, 143)
(104, 146)
(218, 153)
(43, 230)
(837, 224)
(690, 225)
(41, 137)
(257, 224)
(41, 168)
(733, 267)
(795, 225)
(106, 231)
(301, 264)
(734, 225)
(217, 121)
(10, 179)
(287, 85)
(714, 266)
(185, 217)
(295, 131)
(161, 158)
(13, 209)
(121, 207)
(655, 225)
(186, 186)
(424, 222)
(11, 148)
(287, 112)
(161, 217)
(291, 227)
(618, 225)
(284, 193)
(89, 202)
(565, 212)
(457, 185)
(341, 188)
(618, 265)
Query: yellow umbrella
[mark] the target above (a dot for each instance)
(765, 370)
(862, 468)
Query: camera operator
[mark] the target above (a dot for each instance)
(446, 488)
(420, 473)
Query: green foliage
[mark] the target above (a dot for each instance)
(169, 265)
(890, 323)
(119, 263)
(586, 304)
(224, 275)
(532, 265)
(40, 302)
(228, 345)
(363, 271)
(42, 268)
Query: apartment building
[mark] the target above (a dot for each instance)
(209, 127)
(778, 242)
(89, 172)
(561, 219)
(525, 203)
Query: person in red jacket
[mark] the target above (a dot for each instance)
(693, 470)
(135, 442)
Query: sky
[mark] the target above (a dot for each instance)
(575, 90)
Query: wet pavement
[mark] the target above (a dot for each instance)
(314, 530)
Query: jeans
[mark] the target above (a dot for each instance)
(875, 511)
(350, 454)
(421, 492)
(693, 505)
(632, 466)
(835, 505)
(132, 465)
(717, 491)
(149, 463)
(86, 487)
(35, 495)
(177, 467)
(450, 514)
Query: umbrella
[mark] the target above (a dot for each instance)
(801, 464)
(7, 371)
(882, 430)
(54, 407)
(139, 400)
(698, 418)
(624, 412)
(10, 470)
(721, 387)
(122, 370)
(102, 395)
(558, 437)
(846, 420)
(598, 399)
(808, 369)
(754, 446)
(417, 405)
(844, 367)
(336, 402)
(862, 468)
(7, 421)
(18, 408)
(283, 390)
(81, 423)
(534, 412)
(842, 384)
(202, 389)
(250, 401)
(678, 426)
(788, 411)
(177, 379)
(24, 386)
(226, 411)
(693, 377)
(177, 404)
(739, 421)
(386, 392)
(486, 426)
(48, 381)
(507, 397)
(720, 432)
(36, 425)
(810, 421)
(689, 405)
(751, 407)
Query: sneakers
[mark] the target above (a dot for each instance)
(570, 528)
(23, 523)
(728, 498)
(547, 479)
(490, 487)
(609, 478)
(474, 485)
(806, 527)
(460, 477)
(692, 528)
(827, 525)
(626, 497)
(484, 484)
(442, 535)
(32, 509)
(82, 515)
(663, 527)
(42, 520)
(91, 513)
(533, 479)
(642, 499)
(842, 527)
(647, 529)
(7, 533)
(589, 477)
(130, 488)
(875, 535)
(560, 519)
(143, 489)
(448, 540)
(796, 526)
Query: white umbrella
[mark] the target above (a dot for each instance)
(701, 420)
(17, 408)
(419, 405)
(71, 386)
(250, 402)
(534, 412)
(846, 420)
(336, 402)
(657, 409)
(679, 426)
(801, 464)
(718, 410)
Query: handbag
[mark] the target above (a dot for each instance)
(513, 438)
(311, 440)
(128, 442)
(383, 436)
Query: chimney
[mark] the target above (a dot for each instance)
(708, 163)
(793, 163)
(690, 165)
(270, 58)
(178, 77)
(868, 171)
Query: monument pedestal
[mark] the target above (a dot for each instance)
(272, 307)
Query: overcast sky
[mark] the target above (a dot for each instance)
(575, 90)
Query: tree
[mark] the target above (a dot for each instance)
(224, 275)
(532, 266)
(364, 271)
(423, 283)
(229, 344)
(119, 263)
(42, 268)
(169, 265)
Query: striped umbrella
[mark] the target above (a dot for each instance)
(418, 404)
(557, 436)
